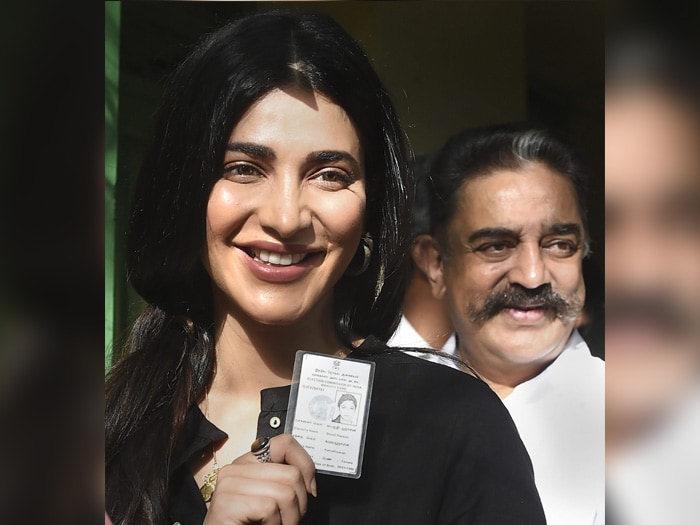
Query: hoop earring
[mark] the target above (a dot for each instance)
(364, 253)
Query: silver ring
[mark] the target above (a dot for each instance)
(261, 449)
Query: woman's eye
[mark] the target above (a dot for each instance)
(335, 178)
(241, 172)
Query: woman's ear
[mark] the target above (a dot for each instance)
(427, 258)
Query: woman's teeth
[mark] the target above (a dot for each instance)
(278, 259)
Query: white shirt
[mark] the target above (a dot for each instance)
(406, 336)
(560, 415)
(656, 479)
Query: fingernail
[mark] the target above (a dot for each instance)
(314, 491)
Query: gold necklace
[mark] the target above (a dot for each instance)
(207, 489)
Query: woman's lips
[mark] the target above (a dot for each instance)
(279, 266)
(277, 258)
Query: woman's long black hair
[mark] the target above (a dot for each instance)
(169, 359)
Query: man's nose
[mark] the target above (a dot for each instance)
(528, 266)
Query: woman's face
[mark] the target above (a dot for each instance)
(285, 219)
(347, 410)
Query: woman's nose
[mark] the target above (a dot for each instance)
(284, 207)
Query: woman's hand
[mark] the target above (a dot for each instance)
(248, 491)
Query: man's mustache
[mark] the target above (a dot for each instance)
(555, 305)
(656, 309)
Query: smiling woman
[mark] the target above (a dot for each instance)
(289, 209)
(271, 216)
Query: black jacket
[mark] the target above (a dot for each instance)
(440, 448)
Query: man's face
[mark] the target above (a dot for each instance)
(511, 272)
(652, 243)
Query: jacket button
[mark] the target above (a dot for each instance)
(275, 422)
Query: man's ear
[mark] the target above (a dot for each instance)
(427, 258)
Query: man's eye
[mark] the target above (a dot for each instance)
(683, 218)
(562, 248)
(494, 248)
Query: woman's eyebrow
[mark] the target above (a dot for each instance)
(256, 151)
(333, 156)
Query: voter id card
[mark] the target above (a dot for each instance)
(328, 410)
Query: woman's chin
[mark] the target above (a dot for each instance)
(276, 318)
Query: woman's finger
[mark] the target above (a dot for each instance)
(283, 482)
(285, 449)
(244, 510)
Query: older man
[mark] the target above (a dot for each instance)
(510, 235)
(652, 240)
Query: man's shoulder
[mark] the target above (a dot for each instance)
(578, 353)
(406, 336)
(405, 372)
(575, 371)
